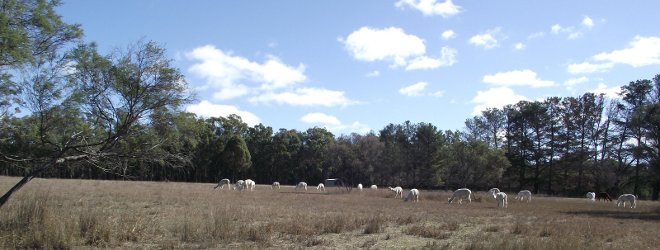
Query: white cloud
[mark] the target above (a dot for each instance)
(305, 97)
(495, 98)
(389, 44)
(574, 35)
(517, 78)
(519, 46)
(334, 125)
(642, 51)
(440, 93)
(374, 73)
(431, 7)
(588, 22)
(320, 118)
(447, 58)
(612, 92)
(575, 81)
(586, 67)
(448, 34)
(414, 90)
(231, 75)
(487, 40)
(208, 109)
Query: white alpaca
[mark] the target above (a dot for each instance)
(275, 185)
(222, 184)
(413, 194)
(301, 185)
(374, 187)
(461, 194)
(359, 187)
(240, 185)
(501, 199)
(398, 192)
(591, 196)
(249, 184)
(493, 191)
(630, 198)
(320, 187)
(524, 194)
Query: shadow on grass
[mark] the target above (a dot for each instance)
(634, 215)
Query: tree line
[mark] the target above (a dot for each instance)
(68, 111)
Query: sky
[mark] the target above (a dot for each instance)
(357, 66)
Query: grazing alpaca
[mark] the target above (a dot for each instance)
(524, 194)
(591, 196)
(275, 185)
(493, 191)
(413, 194)
(630, 198)
(222, 184)
(603, 196)
(360, 187)
(301, 185)
(501, 200)
(321, 187)
(240, 185)
(461, 194)
(398, 192)
(249, 184)
(374, 187)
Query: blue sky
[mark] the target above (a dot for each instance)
(356, 66)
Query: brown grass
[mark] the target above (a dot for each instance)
(63, 214)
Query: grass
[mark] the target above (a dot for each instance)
(64, 214)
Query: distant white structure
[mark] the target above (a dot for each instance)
(461, 194)
(591, 196)
(275, 185)
(413, 195)
(630, 198)
(223, 183)
(301, 185)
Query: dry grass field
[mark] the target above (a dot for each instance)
(51, 213)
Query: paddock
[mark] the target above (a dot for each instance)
(156, 215)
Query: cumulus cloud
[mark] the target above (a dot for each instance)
(536, 35)
(642, 51)
(486, 40)
(588, 22)
(208, 109)
(586, 67)
(304, 97)
(448, 34)
(414, 90)
(517, 78)
(447, 58)
(419, 89)
(495, 98)
(445, 9)
(320, 118)
(389, 44)
(333, 124)
(230, 76)
(519, 46)
(612, 92)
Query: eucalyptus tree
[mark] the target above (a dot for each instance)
(313, 155)
(286, 147)
(260, 144)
